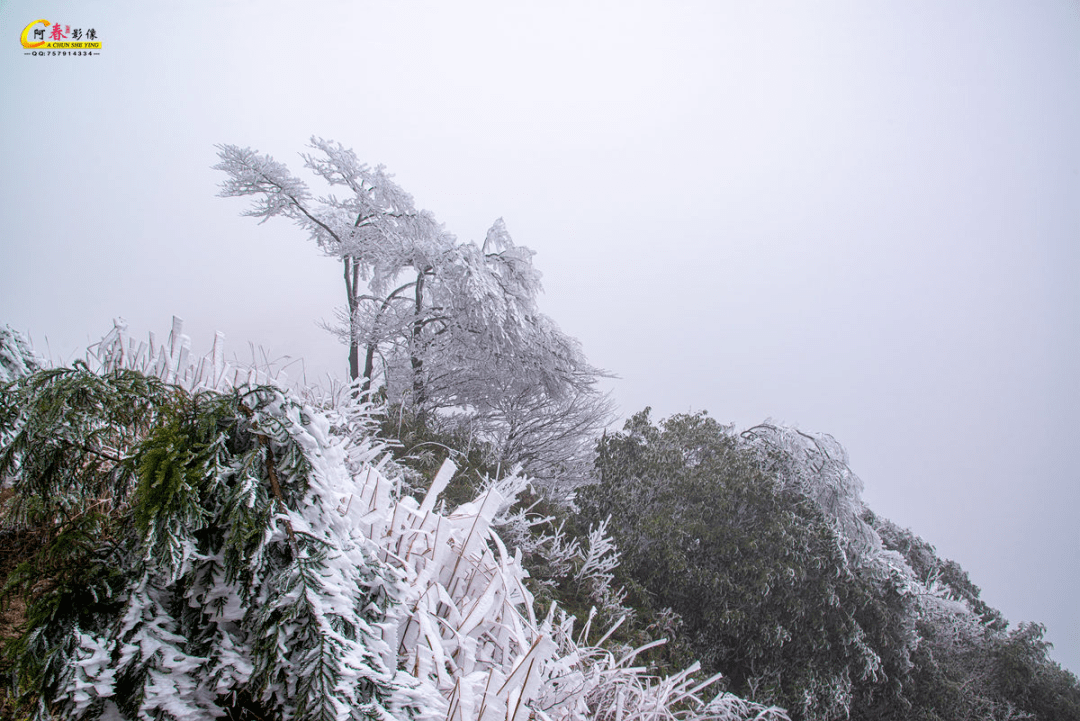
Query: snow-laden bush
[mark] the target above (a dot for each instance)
(208, 546)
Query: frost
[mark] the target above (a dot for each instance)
(348, 601)
(17, 357)
(446, 328)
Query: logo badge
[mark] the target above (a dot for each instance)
(42, 37)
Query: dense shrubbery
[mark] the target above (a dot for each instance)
(752, 568)
(969, 664)
(239, 552)
(176, 574)
(185, 553)
(772, 571)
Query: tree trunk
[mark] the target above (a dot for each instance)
(354, 363)
(419, 396)
(373, 342)
(369, 368)
(352, 271)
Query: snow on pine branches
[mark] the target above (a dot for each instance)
(215, 547)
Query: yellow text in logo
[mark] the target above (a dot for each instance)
(70, 46)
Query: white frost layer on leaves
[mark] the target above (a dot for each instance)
(173, 362)
(462, 642)
(466, 628)
(17, 358)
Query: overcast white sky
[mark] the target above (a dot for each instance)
(861, 218)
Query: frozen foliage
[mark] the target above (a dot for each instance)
(441, 327)
(782, 579)
(752, 569)
(466, 627)
(173, 362)
(17, 358)
(254, 554)
(816, 465)
(204, 578)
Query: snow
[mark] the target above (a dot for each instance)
(430, 609)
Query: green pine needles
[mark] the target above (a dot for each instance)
(188, 563)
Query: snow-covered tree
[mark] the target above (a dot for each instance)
(376, 233)
(751, 566)
(443, 326)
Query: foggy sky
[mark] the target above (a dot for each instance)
(860, 218)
